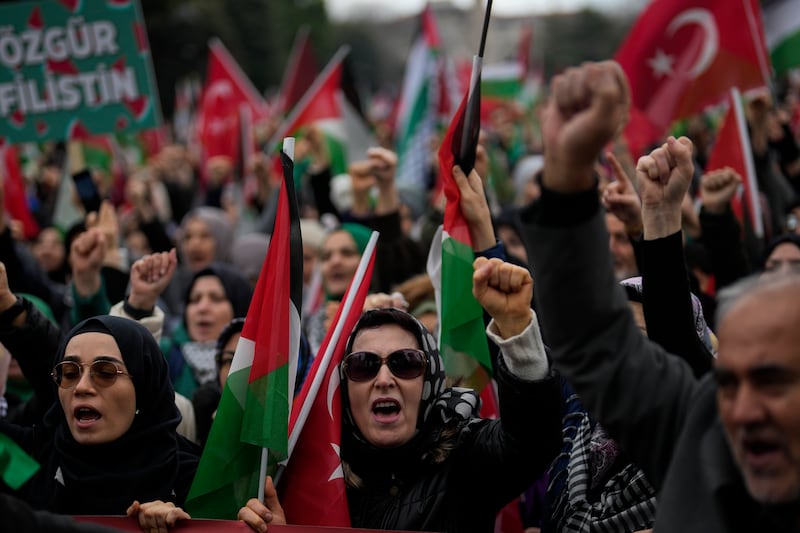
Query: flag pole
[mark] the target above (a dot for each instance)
(469, 139)
(316, 382)
(326, 358)
(744, 139)
(288, 149)
(485, 30)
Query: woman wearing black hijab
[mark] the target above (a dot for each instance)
(782, 254)
(110, 439)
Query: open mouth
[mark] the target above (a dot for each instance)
(338, 278)
(760, 447)
(386, 410)
(204, 325)
(761, 453)
(86, 415)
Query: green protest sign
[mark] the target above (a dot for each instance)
(74, 68)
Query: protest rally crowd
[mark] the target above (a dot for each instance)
(632, 364)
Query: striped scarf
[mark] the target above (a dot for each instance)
(588, 491)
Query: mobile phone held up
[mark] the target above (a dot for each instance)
(87, 190)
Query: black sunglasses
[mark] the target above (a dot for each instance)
(67, 374)
(406, 363)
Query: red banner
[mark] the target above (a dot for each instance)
(124, 523)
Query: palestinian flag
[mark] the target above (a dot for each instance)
(253, 413)
(462, 337)
(782, 33)
(17, 467)
(417, 113)
(325, 107)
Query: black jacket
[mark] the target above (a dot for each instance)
(492, 463)
(650, 402)
(34, 346)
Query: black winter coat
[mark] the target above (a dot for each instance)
(491, 463)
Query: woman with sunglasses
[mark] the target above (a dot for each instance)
(109, 441)
(416, 455)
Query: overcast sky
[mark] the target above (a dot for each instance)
(346, 9)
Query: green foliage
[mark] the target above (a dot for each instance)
(258, 33)
(587, 35)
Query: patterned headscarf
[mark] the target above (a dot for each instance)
(439, 406)
(633, 287)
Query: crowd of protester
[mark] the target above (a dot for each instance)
(118, 332)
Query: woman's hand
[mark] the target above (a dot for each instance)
(157, 516)
(7, 298)
(663, 178)
(504, 290)
(383, 163)
(259, 515)
(150, 275)
(381, 300)
(475, 209)
(87, 253)
(106, 221)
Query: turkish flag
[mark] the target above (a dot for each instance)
(226, 89)
(15, 200)
(683, 55)
(641, 134)
(219, 121)
(312, 488)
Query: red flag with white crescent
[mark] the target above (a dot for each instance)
(312, 489)
(684, 55)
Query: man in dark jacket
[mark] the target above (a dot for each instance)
(723, 452)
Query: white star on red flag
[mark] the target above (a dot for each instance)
(661, 64)
(337, 472)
